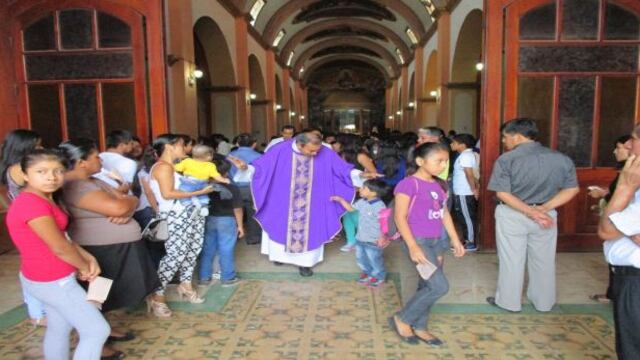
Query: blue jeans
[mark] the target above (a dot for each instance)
(416, 311)
(189, 184)
(370, 260)
(350, 224)
(67, 308)
(220, 235)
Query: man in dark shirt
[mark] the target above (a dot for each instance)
(530, 181)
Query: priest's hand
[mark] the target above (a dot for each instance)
(370, 175)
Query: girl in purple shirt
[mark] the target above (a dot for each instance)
(421, 214)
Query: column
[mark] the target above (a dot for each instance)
(243, 102)
(271, 93)
(444, 62)
(418, 90)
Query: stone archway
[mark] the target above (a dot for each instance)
(431, 90)
(258, 103)
(216, 95)
(465, 79)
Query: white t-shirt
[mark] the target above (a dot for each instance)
(623, 251)
(144, 201)
(466, 159)
(122, 165)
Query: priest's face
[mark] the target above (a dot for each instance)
(310, 149)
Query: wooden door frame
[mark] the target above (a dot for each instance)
(494, 103)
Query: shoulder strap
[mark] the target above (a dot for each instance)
(415, 196)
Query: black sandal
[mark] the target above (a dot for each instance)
(407, 339)
(128, 336)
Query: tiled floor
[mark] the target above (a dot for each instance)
(472, 278)
(274, 314)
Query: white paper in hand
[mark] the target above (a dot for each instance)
(99, 289)
(426, 270)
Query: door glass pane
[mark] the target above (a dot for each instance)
(579, 58)
(617, 107)
(580, 19)
(575, 119)
(119, 107)
(40, 35)
(113, 32)
(44, 113)
(82, 116)
(75, 29)
(539, 23)
(620, 24)
(535, 100)
(89, 66)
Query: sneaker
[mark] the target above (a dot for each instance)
(347, 248)
(364, 279)
(374, 283)
(470, 247)
(216, 276)
(230, 282)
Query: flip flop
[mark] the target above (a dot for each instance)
(407, 339)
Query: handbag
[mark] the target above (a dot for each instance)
(157, 230)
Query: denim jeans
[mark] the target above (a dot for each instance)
(350, 224)
(221, 233)
(67, 308)
(416, 311)
(370, 260)
(189, 184)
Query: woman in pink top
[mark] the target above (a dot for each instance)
(50, 262)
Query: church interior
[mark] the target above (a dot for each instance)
(82, 68)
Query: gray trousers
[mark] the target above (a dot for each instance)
(67, 308)
(522, 241)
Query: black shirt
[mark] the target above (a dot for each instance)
(220, 207)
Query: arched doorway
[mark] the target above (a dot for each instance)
(280, 111)
(465, 78)
(432, 91)
(411, 104)
(216, 91)
(258, 103)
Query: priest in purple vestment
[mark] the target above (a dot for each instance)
(291, 188)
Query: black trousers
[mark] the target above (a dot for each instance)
(252, 230)
(626, 311)
(465, 208)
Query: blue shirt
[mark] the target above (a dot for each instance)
(247, 155)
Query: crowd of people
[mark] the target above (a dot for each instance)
(77, 213)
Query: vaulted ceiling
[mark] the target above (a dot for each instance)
(310, 35)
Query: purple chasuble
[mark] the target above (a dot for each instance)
(291, 194)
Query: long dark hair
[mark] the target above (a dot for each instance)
(76, 150)
(389, 158)
(16, 145)
(37, 155)
(165, 139)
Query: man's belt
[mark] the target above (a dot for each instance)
(626, 270)
(500, 202)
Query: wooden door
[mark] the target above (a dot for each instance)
(573, 66)
(81, 70)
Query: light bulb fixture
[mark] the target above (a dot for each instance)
(433, 93)
(412, 104)
(293, 113)
(479, 66)
(398, 112)
(301, 117)
(278, 107)
(198, 74)
(253, 96)
(390, 117)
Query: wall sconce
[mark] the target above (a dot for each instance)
(278, 107)
(479, 66)
(193, 75)
(433, 93)
(292, 113)
(390, 117)
(253, 96)
(301, 117)
(411, 104)
(398, 112)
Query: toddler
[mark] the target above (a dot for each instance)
(368, 253)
